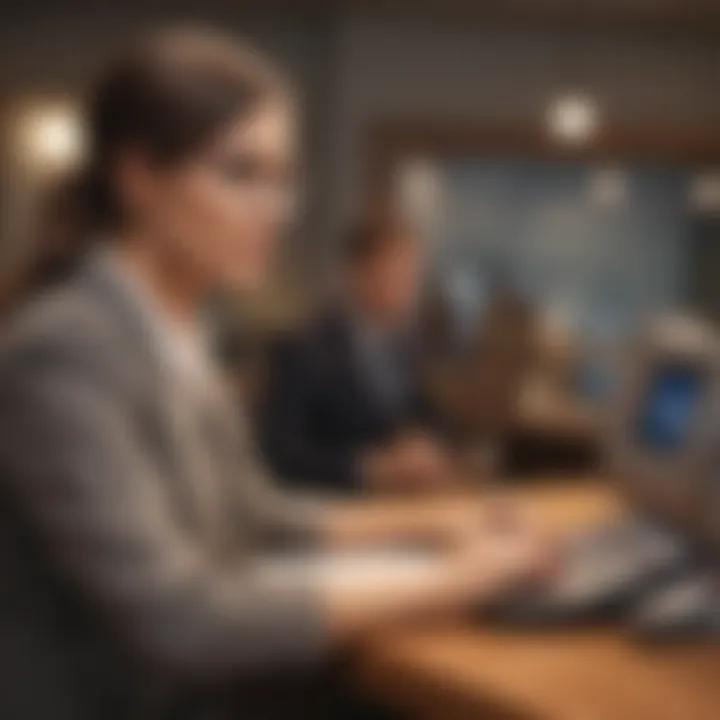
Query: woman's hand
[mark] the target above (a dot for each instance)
(491, 562)
(450, 526)
(481, 567)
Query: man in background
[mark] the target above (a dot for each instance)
(343, 408)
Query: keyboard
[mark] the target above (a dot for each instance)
(603, 570)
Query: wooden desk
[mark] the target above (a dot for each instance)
(476, 672)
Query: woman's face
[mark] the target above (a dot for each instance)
(220, 213)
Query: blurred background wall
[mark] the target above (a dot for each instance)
(357, 65)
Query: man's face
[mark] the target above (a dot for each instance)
(388, 283)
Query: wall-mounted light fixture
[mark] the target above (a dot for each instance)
(573, 119)
(704, 193)
(51, 136)
(608, 187)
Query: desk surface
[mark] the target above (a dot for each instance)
(473, 672)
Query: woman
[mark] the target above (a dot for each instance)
(136, 518)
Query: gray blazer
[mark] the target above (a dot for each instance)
(132, 513)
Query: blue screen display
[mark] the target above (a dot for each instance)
(671, 400)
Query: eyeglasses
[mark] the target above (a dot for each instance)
(258, 180)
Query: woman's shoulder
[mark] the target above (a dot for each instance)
(59, 315)
(60, 327)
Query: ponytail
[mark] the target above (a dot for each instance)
(69, 220)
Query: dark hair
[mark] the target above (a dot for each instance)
(166, 96)
(372, 235)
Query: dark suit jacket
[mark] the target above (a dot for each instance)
(319, 410)
(127, 529)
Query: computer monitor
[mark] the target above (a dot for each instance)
(664, 428)
(670, 404)
(663, 448)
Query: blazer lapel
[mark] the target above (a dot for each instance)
(193, 458)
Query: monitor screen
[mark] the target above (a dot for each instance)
(670, 402)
